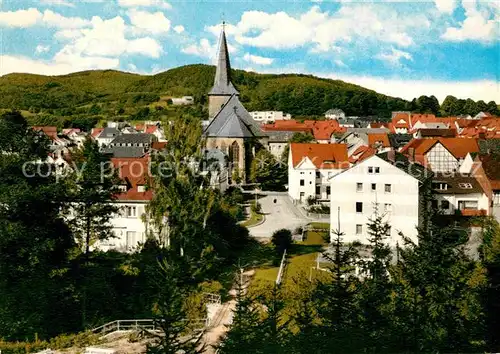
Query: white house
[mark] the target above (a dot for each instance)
(269, 116)
(387, 180)
(130, 225)
(182, 101)
(278, 141)
(107, 135)
(309, 168)
(335, 113)
(460, 194)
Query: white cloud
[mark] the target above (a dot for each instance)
(53, 19)
(446, 6)
(480, 24)
(145, 3)
(179, 29)
(97, 47)
(340, 63)
(354, 23)
(20, 18)
(154, 23)
(395, 56)
(107, 38)
(58, 3)
(42, 48)
(32, 17)
(201, 49)
(14, 64)
(255, 59)
(204, 48)
(408, 89)
(144, 46)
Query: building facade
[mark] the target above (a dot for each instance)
(310, 166)
(381, 183)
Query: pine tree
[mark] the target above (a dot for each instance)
(437, 289)
(242, 336)
(170, 318)
(94, 189)
(336, 305)
(376, 287)
(93, 185)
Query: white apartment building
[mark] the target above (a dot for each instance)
(387, 180)
(129, 225)
(310, 166)
(269, 116)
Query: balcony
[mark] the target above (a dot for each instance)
(471, 212)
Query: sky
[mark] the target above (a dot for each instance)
(400, 48)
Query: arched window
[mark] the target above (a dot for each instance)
(234, 154)
(223, 147)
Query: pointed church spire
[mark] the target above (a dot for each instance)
(222, 81)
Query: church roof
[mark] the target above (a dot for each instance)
(233, 121)
(222, 81)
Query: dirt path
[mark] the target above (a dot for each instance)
(223, 318)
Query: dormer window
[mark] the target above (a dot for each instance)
(441, 186)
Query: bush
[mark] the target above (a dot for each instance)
(22, 347)
(282, 240)
(320, 209)
(298, 231)
(311, 200)
(256, 207)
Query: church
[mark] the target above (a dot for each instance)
(231, 129)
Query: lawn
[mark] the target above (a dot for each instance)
(301, 257)
(255, 218)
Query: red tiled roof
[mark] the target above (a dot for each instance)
(361, 153)
(134, 172)
(158, 145)
(323, 130)
(150, 129)
(323, 156)
(376, 138)
(50, 131)
(458, 147)
(96, 131)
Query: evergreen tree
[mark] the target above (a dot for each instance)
(94, 189)
(436, 303)
(336, 304)
(243, 335)
(376, 287)
(93, 185)
(490, 257)
(170, 317)
(34, 240)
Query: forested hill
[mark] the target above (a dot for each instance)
(111, 91)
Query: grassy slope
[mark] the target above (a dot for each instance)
(296, 94)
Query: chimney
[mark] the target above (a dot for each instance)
(411, 152)
(391, 155)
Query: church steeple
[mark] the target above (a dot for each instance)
(222, 81)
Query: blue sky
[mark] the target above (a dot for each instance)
(403, 48)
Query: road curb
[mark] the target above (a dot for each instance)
(259, 223)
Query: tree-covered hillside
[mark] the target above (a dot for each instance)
(114, 91)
